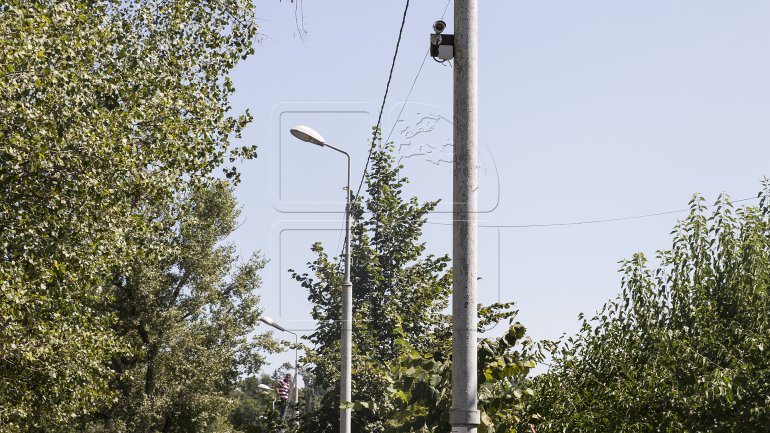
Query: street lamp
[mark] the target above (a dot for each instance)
(266, 389)
(309, 135)
(268, 321)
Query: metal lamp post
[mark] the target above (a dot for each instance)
(309, 135)
(268, 321)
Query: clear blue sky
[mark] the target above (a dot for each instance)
(588, 110)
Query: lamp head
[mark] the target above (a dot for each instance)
(306, 133)
(268, 321)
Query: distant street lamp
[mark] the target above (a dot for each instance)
(309, 135)
(268, 321)
(266, 389)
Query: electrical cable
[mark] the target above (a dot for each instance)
(596, 221)
(414, 82)
(384, 98)
(398, 118)
(382, 108)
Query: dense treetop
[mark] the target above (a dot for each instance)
(684, 347)
(109, 111)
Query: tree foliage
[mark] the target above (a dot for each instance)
(401, 332)
(109, 109)
(398, 294)
(422, 386)
(255, 411)
(684, 347)
(188, 318)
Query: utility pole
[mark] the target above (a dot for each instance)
(464, 416)
(346, 352)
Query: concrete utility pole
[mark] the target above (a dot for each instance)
(464, 416)
(346, 382)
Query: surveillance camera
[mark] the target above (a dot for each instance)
(439, 26)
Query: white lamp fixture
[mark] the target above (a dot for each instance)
(268, 321)
(306, 133)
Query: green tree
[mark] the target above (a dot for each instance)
(108, 110)
(683, 348)
(422, 382)
(188, 318)
(400, 298)
(255, 412)
(399, 294)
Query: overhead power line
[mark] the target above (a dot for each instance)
(382, 108)
(384, 98)
(595, 221)
(407, 97)
(414, 82)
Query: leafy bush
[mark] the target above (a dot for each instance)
(684, 347)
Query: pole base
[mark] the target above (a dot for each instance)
(467, 418)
